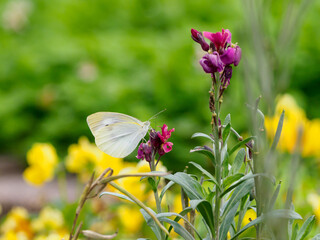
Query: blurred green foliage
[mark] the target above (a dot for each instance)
(63, 60)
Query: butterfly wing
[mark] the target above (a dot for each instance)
(116, 134)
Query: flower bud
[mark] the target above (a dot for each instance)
(198, 37)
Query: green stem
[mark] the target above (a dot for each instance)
(217, 156)
(155, 193)
(140, 204)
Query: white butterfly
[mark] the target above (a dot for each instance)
(117, 134)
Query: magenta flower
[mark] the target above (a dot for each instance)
(198, 37)
(219, 39)
(166, 134)
(211, 63)
(157, 144)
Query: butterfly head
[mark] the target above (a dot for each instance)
(146, 125)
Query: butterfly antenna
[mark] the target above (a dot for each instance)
(154, 116)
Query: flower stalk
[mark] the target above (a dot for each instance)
(216, 135)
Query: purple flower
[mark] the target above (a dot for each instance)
(158, 143)
(231, 56)
(211, 63)
(219, 39)
(145, 151)
(198, 37)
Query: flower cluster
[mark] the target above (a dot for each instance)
(18, 224)
(84, 158)
(157, 144)
(221, 53)
(43, 160)
(294, 118)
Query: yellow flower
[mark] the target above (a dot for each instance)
(48, 219)
(295, 118)
(130, 218)
(51, 236)
(84, 158)
(42, 159)
(11, 235)
(248, 217)
(17, 224)
(314, 201)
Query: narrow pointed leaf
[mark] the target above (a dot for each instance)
(316, 237)
(191, 187)
(226, 223)
(170, 214)
(245, 178)
(116, 195)
(151, 223)
(164, 190)
(202, 135)
(205, 172)
(231, 179)
(177, 228)
(242, 190)
(306, 228)
(226, 133)
(274, 197)
(278, 132)
(281, 213)
(240, 144)
(238, 161)
(205, 151)
(227, 120)
(205, 209)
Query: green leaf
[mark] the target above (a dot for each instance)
(151, 223)
(205, 151)
(226, 223)
(116, 195)
(152, 183)
(178, 228)
(205, 172)
(278, 132)
(205, 209)
(178, 217)
(242, 190)
(306, 228)
(238, 161)
(227, 120)
(231, 179)
(169, 185)
(316, 237)
(202, 135)
(226, 133)
(295, 232)
(280, 213)
(245, 178)
(225, 165)
(182, 213)
(191, 187)
(274, 197)
(240, 144)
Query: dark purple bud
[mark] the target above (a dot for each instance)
(198, 37)
(155, 140)
(145, 151)
(211, 63)
(227, 76)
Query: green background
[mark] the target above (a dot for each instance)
(143, 60)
